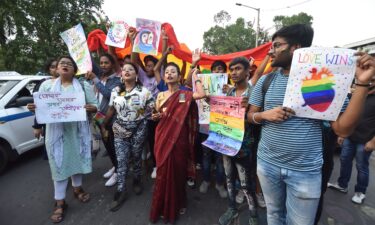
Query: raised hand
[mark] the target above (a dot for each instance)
(196, 56)
(365, 70)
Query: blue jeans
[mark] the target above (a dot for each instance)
(292, 197)
(350, 150)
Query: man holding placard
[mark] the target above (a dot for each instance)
(290, 148)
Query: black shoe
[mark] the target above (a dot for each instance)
(119, 199)
(137, 186)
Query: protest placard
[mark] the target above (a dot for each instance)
(75, 39)
(148, 37)
(227, 125)
(117, 34)
(55, 107)
(319, 81)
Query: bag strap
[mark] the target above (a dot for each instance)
(267, 82)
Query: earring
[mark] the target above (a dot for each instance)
(136, 79)
(122, 80)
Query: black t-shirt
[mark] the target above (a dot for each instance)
(365, 130)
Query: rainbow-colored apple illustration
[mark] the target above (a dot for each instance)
(318, 91)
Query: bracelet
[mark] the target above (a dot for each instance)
(254, 118)
(197, 81)
(363, 85)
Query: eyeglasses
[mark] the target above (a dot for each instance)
(277, 45)
(68, 64)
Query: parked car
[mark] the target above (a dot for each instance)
(16, 132)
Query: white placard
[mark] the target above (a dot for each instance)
(55, 107)
(319, 81)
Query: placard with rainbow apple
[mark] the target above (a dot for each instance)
(319, 81)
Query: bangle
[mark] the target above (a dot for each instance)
(363, 85)
(254, 118)
(197, 81)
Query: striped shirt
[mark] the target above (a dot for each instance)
(294, 144)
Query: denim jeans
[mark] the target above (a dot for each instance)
(350, 150)
(291, 197)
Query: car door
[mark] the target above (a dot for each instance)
(21, 120)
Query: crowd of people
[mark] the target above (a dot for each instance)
(284, 163)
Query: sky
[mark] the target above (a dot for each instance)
(335, 22)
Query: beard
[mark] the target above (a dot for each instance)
(284, 60)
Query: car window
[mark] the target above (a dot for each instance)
(31, 85)
(6, 85)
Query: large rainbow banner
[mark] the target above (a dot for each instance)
(227, 125)
(319, 82)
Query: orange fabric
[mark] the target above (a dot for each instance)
(96, 39)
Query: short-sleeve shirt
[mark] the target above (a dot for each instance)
(134, 105)
(245, 147)
(294, 144)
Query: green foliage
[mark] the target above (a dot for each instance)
(227, 39)
(301, 18)
(29, 30)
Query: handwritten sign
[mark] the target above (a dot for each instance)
(75, 39)
(148, 37)
(213, 85)
(54, 107)
(117, 33)
(227, 125)
(319, 82)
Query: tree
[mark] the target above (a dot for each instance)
(301, 18)
(230, 38)
(29, 30)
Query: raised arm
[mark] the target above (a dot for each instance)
(260, 70)
(134, 57)
(195, 58)
(365, 71)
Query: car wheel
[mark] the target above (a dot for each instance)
(4, 158)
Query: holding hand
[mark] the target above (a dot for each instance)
(245, 102)
(132, 34)
(38, 133)
(90, 75)
(31, 107)
(90, 108)
(370, 145)
(278, 114)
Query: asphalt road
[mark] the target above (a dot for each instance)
(26, 198)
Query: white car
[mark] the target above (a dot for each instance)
(16, 132)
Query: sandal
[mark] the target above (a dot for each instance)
(59, 212)
(81, 195)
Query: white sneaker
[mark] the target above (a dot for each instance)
(109, 173)
(222, 191)
(204, 187)
(260, 200)
(111, 181)
(198, 166)
(153, 174)
(337, 187)
(240, 197)
(358, 197)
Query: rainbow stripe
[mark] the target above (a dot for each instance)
(318, 94)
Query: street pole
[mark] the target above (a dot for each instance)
(258, 27)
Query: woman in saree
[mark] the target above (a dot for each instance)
(175, 134)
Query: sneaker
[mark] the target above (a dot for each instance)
(111, 181)
(358, 197)
(153, 174)
(240, 197)
(198, 166)
(137, 186)
(260, 200)
(222, 191)
(191, 183)
(228, 217)
(337, 187)
(204, 187)
(118, 201)
(109, 173)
